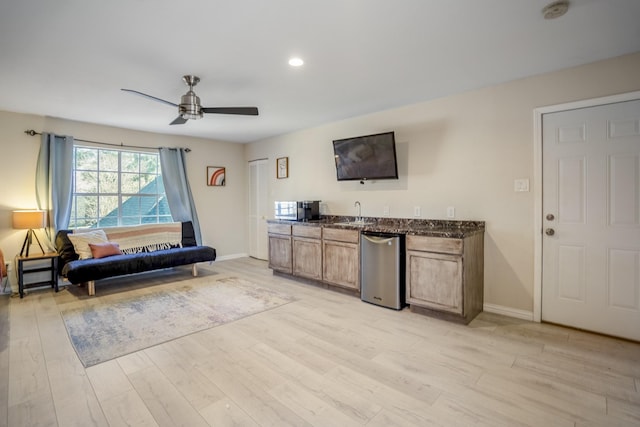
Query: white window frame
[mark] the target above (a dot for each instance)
(121, 220)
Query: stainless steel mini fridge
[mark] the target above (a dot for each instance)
(382, 269)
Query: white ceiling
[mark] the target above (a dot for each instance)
(69, 58)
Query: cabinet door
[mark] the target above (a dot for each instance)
(435, 281)
(280, 253)
(307, 258)
(341, 264)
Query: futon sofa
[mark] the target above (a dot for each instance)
(145, 248)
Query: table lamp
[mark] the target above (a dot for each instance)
(28, 220)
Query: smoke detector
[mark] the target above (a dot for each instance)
(555, 9)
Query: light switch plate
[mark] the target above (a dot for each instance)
(417, 212)
(521, 185)
(385, 211)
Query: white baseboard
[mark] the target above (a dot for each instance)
(508, 311)
(232, 256)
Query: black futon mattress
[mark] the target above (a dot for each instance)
(86, 270)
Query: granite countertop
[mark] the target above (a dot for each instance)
(417, 227)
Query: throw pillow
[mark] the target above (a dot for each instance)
(103, 250)
(82, 239)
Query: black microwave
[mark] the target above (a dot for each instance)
(307, 210)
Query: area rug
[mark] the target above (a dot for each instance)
(104, 329)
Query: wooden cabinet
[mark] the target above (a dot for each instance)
(307, 251)
(341, 258)
(445, 275)
(326, 254)
(435, 281)
(280, 256)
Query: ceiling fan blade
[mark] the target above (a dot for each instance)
(243, 111)
(150, 97)
(179, 121)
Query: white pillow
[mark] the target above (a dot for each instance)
(81, 240)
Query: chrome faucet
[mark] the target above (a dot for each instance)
(357, 205)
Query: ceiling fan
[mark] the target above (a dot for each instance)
(190, 108)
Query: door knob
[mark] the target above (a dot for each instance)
(550, 217)
(549, 232)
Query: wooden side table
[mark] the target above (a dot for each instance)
(23, 269)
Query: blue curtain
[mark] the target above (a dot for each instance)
(176, 186)
(54, 181)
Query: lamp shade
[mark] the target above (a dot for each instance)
(29, 219)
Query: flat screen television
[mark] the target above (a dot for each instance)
(366, 157)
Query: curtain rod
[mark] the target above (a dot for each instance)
(32, 132)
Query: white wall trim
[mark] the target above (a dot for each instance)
(508, 311)
(537, 182)
(232, 256)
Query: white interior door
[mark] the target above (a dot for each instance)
(591, 219)
(258, 176)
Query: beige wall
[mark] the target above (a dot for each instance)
(220, 209)
(463, 151)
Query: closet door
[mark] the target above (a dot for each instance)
(258, 176)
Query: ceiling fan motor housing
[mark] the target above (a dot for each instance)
(189, 107)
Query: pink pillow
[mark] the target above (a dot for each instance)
(102, 250)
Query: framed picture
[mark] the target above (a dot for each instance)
(215, 176)
(282, 167)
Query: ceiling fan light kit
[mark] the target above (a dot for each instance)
(190, 108)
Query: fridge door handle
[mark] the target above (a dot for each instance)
(378, 240)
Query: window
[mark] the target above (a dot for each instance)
(114, 188)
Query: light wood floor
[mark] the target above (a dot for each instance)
(326, 359)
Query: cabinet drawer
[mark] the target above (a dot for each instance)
(434, 244)
(279, 228)
(306, 231)
(349, 236)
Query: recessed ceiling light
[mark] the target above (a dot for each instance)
(296, 62)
